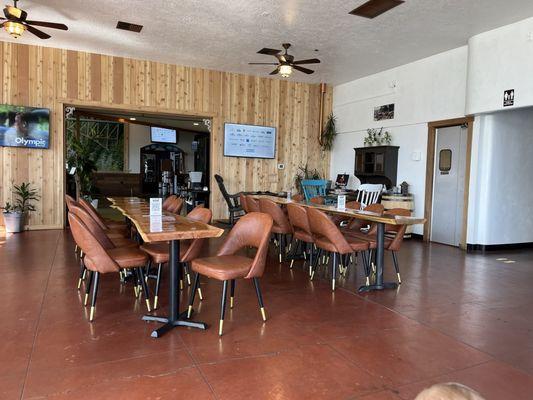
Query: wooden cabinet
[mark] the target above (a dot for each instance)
(376, 161)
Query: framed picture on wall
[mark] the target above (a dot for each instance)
(384, 112)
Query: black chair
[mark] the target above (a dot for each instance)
(234, 207)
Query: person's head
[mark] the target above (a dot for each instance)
(449, 391)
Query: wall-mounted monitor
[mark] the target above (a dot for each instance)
(24, 127)
(251, 141)
(162, 135)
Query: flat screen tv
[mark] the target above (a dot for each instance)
(250, 141)
(162, 135)
(24, 126)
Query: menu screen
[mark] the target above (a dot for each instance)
(249, 141)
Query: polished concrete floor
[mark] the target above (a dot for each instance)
(457, 317)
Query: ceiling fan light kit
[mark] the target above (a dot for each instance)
(286, 63)
(285, 71)
(16, 23)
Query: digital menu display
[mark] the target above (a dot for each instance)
(251, 141)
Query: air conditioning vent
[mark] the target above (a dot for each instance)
(373, 8)
(127, 26)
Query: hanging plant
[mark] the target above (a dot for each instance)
(329, 133)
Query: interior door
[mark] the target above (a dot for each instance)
(448, 185)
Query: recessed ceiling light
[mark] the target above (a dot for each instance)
(133, 119)
(196, 123)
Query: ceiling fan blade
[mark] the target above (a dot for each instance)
(302, 69)
(37, 32)
(267, 51)
(275, 71)
(309, 61)
(254, 63)
(45, 24)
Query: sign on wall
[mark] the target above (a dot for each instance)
(508, 98)
(384, 112)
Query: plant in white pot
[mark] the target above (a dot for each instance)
(14, 214)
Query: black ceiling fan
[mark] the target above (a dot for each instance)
(286, 62)
(15, 23)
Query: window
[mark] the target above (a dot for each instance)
(445, 160)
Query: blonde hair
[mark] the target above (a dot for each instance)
(448, 391)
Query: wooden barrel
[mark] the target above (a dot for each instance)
(407, 202)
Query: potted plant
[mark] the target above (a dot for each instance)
(305, 173)
(14, 214)
(82, 155)
(328, 134)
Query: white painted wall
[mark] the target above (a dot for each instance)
(501, 192)
(499, 60)
(427, 90)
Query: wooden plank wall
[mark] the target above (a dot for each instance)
(48, 77)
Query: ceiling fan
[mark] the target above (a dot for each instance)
(15, 23)
(286, 62)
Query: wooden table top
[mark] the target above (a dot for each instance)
(363, 215)
(159, 229)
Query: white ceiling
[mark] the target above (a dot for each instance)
(226, 34)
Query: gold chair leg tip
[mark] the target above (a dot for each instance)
(189, 312)
(200, 295)
(156, 300)
(148, 307)
(231, 300)
(86, 299)
(220, 327)
(263, 313)
(91, 315)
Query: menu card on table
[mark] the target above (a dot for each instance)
(341, 202)
(156, 206)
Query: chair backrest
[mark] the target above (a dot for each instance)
(313, 188)
(368, 193)
(317, 200)
(201, 214)
(96, 257)
(281, 222)
(375, 208)
(298, 197)
(252, 204)
(222, 187)
(244, 204)
(69, 200)
(93, 213)
(353, 205)
(398, 229)
(92, 225)
(251, 230)
(298, 218)
(175, 206)
(168, 201)
(325, 231)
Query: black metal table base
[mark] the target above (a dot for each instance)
(181, 321)
(384, 286)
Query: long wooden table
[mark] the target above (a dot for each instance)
(173, 228)
(380, 219)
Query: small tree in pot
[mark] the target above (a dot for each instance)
(14, 213)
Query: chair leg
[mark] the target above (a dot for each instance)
(187, 274)
(222, 308)
(95, 293)
(259, 298)
(396, 267)
(196, 285)
(366, 265)
(145, 288)
(316, 263)
(88, 288)
(148, 268)
(232, 293)
(82, 273)
(157, 284)
(280, 240)
(334, 266)
(136, 284)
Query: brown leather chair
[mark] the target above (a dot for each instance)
(394, 235)
(318, 200)
(244, 204)
(175, 205)
(302, 231)
(329, 238)
(356, 225)
(252, 204)
(251, 230)
(189, 250)
(112, 228)
(100, 235)
(99, 260)
(339, 219)
(298, 197)
(168, 201)
(282, 227)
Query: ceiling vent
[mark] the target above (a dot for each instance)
(127, 26)
(373, 8)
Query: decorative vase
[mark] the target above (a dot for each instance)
(14, 222)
